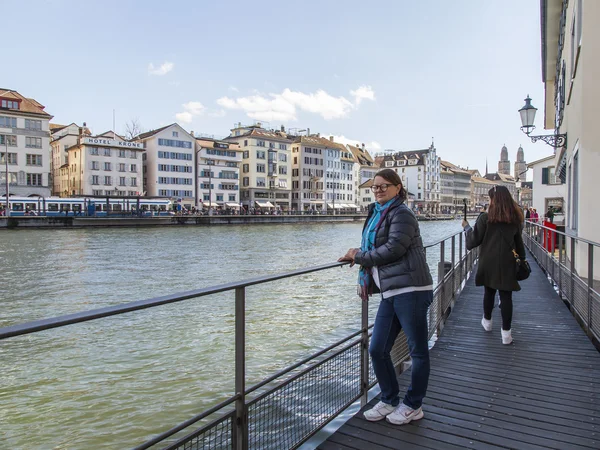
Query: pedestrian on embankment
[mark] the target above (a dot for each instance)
(392, 262)
(497, 233)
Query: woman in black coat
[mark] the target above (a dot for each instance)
(498, 232)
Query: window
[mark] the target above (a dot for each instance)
(94, 151)
(260, 143)
(260, 168)
(282, 170)
(246, 154)
(133, 168)
(121, 181)
(12, 140)
(246, 143)
(122, 153)
(282, 146)
(121, 167)
(34, 160)
(174, 143)
(107, 166)
(8, 122)
(219, 197)
(31, 124)
(34, 179)
(261, 182)
(282, 157)
(175, 134)
(95, 180)
(549, 176)
(260, 154)
(33, 142)
(246, 181)
(95, 165)
(107, 181)
(107, 152)
(10, 104)
(12, 158)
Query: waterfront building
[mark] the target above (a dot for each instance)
(364, 168)
(548, 189)
(570, 64)
(61, 138)
(266, 167)
(420, 173)
(25, 141)
(461, 185)
(104, 165)
(217, 184)
(504, 180)
(366, 195)
(526, 194)
(447, 189)
(504, 163)
(520, 166)
(168, 162)
(339, 177)
(479, 192)
(308, 172)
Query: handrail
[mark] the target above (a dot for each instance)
(563, 233)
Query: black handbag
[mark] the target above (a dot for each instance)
(522, 267)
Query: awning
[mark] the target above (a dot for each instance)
(207, 203)
(264, 204)
(317, 202)
(232, 205)
(352, 206)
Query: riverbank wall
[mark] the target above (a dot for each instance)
(32, 222)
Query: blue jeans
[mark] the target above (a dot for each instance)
(406, 312)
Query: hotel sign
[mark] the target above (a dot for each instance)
(112, 143)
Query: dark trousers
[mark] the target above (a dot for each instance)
(406, 312)
(506, 306)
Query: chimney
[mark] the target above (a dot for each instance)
(331, 138)
(84, 124)
(318, 135)
(363, 145)
(282, 129)
(259, 124)
(192, 133)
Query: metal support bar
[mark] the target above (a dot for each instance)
(460, 256)
(364, 354)
(572, 293)
(441, 273)
(590, 286)
(453, 263)
(240, 427)
(560, 252)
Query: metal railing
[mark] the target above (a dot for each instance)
(284, 410)
(568, 261)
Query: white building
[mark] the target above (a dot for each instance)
(105, 165)
(218, 174)
(365, 195)
(548, 189)
(25, 137)
(420, 173)
(308, 172)
(339, 178)
(169, 164)
(364, 169)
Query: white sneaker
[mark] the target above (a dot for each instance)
(486, 324)
(379, 411)
(404, 414)
(506, 337)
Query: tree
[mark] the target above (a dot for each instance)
(133, 128)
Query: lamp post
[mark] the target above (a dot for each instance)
(527, 113)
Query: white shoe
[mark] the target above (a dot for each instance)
(379, 411)
(486, 324)
(404, 414)
(506, 337)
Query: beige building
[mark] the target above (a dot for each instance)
(104, 165)
(308, 172)
(479, 192)
(570, 66)
(364, 169)
(61, 138)
(25, 141)
(266, 168)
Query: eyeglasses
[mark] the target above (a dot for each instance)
(381, 187)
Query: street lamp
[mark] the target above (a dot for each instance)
(527, 113)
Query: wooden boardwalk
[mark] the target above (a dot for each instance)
(542, 392)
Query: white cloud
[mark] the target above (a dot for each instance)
(191, 109)
(163, 69)
(284, 106)
(372, 146)
(219, 113)
(363, 93)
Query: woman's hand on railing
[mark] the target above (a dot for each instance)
(349, 256)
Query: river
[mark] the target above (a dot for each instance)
(116, 382)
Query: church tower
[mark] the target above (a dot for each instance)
(520, 166)
(504, 163)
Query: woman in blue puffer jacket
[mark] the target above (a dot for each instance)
(392, 261)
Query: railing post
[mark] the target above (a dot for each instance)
(560, 252)
(460, 257)
(590, 286)
(240, 428)
(364, 354)
(572, 293)
(441, 273)
(453, 262)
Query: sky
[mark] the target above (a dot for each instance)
(391, 74)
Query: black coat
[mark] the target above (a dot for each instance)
(398, 253)
(496, 267)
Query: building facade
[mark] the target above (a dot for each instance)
(548, 189)
(479, 192)
(266, 168)
(168, 164)
(62, 137)
(504, 180)
(308, 172)
(339, 178)
(104, 165)
(447, 189)
(217, 184)
(25, 142)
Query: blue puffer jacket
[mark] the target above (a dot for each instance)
(398, 253)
